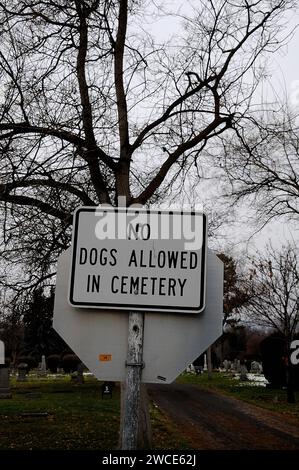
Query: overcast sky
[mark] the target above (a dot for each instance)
(282, 83)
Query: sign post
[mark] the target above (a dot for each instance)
(122, 256)
(134, 364)
(127, 261)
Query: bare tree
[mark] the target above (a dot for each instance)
(95, 108)
(273, 291)
(262, 164)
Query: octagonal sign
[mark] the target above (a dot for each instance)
(171, 341)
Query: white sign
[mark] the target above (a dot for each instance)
(135, 259)
(171, 342)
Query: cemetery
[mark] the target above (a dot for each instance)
(149, 274)
(56, 412)
(40, 409)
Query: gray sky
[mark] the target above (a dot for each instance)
(282, 83)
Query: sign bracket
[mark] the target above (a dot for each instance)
(133, 364)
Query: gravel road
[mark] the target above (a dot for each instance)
(213, 421)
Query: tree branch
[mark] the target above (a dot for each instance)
(167, 112)
(24, 128)
(91, 155)
(118, 78)
(41, 205)
(173, 157)
(123, 172)
(50, 182)
(81, 76)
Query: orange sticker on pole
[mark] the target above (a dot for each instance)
(105, 357)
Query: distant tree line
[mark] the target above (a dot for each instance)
(28, 334)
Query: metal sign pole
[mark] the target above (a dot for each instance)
(134, 364)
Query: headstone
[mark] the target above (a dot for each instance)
(243, 372)
(42, 368)
(22, 372)
(106, 390)
(227, 365)
(4, 382)
(255, 367)
(236, 365)
(205, 364)
(190, 369)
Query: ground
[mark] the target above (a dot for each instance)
(194, 413)
(212, 421)
(55, 413)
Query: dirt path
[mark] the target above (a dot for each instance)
(214, 421)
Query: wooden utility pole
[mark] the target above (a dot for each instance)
(132, 396)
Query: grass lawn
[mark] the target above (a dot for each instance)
(75, 417)
(275, 400)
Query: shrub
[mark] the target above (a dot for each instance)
(70, 363)
(29, 360)
(53, 362)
